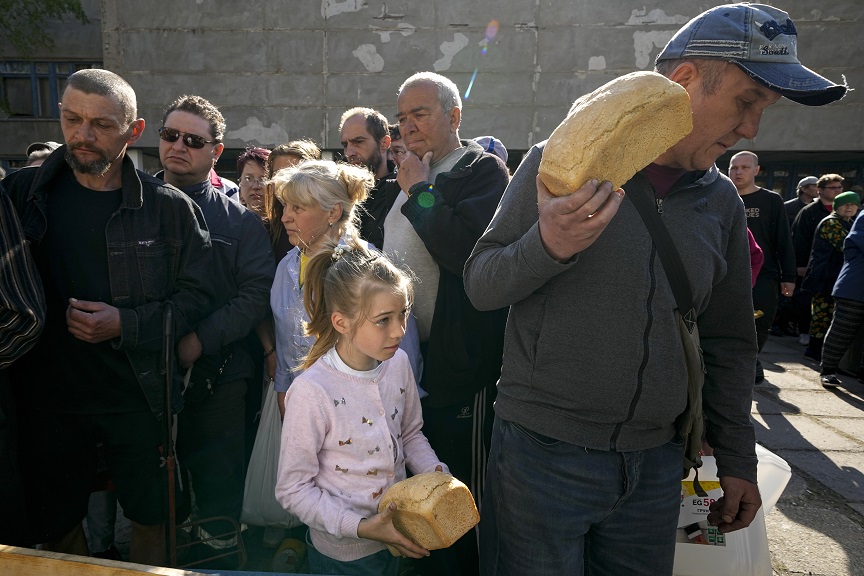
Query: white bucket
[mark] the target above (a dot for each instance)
(745, 552)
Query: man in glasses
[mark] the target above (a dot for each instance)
(111, 244)
(365, 137)
(210, 436)
(804, 228)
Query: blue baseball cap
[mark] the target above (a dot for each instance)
(759, 39)
(493, 145)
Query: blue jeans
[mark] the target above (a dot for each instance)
(381, 563)
(556, 508)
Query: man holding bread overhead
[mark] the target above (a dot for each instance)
(585, 467)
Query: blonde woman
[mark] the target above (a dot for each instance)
(284, 156)
(320, 200)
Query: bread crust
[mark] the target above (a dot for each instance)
(615, 131)
(433, 509)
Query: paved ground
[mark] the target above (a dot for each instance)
(817, 526)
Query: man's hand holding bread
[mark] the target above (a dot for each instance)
(608, 136)
(570, 224)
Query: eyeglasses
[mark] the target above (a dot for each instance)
(189, 140)
(249, 181)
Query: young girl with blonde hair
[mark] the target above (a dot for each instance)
(352, 418)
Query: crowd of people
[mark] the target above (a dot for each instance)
(390, 301)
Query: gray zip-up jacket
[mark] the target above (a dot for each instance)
(592, 351)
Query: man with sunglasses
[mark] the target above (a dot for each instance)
(112, 245)
(210, 436)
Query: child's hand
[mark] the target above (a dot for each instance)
(380, 527)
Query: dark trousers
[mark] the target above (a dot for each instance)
(210, 447)
(801, 307)
(461, 435)
(12, 513)
(765, 299)
(848, 318)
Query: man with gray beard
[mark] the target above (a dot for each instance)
(112, 245)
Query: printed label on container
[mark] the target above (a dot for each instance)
(693, 525)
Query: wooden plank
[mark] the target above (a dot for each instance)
(16, 561)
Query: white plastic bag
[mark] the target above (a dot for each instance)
(260, 507)
(741, 553)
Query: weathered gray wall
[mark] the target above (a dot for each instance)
(284, 69)
(281, 70)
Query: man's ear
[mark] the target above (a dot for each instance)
(385, 143)
(340, 322)
(455, 119)
(686, 74)
(217, 151)
(136, 129)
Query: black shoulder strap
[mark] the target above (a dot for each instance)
(669, 256)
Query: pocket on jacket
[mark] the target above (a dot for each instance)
(522, 344)
(156, 264)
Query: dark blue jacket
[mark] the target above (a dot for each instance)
(242, 275)
(850, 283)
(158, 250)
(826, 257)
(465, 346)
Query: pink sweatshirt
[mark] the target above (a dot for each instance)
(757, 258)
(346, 439)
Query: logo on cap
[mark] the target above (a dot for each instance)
(773, 50)
(772, 29)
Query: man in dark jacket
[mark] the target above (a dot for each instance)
(794, 313)
(803, 230)
(22, 317)
(210, 436)
(365, 137)
(112, 244)
(450, 189)
(806, 192)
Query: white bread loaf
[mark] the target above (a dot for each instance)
(433, 510)
(615, 131)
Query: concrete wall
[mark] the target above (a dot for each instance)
(281, 70)
(285, 69)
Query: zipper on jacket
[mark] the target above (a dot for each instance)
(645, 350)
(659, 202)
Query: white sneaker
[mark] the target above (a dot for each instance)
(804, 340)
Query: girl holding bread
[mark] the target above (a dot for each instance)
(352, 417)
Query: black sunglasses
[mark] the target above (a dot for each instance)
(189, 140)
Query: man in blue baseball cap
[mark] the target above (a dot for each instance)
(762, 42)
(585, 464)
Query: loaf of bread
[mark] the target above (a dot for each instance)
(433, 510)
(615, 131)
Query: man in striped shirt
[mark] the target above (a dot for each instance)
(22, 315)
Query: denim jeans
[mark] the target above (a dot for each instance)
(556, 508)
(381, 563)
